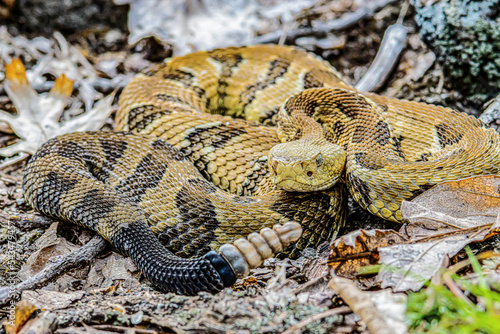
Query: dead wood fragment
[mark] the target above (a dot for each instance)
(491, 116)
(298, 326)
(29, 221)
(385, 60)
(322, 28)
(126, 330)
(360, 303)
(56, 267)
(44, 323)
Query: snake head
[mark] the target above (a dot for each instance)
(305, 160)
(305, 166)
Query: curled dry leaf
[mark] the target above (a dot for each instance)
(372, 307)
(37, 118)
(442, 221)
(111, 271)
(51, 300)
(22, 312)
(48, 245)
(358, 249)
(453, 206)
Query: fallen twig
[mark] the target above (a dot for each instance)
(360, 303)
(385, 60)
(322, 28)
(122, 329)
(56, 266)
(309, 283)
(491, 115)
(29, 221)
(305, 322)
(448, 280)
(387, 55)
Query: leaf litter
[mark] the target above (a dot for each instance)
(216, 313)
(441, 222)
(39, 117)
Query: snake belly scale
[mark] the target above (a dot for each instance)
(215, 145)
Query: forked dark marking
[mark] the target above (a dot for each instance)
(311, 81)
(87, 210)
(363, 160)
(113, 149)
(181, 76)
(359, 134)
(383, 133)
(54, 185)
(277, 69)
(147, 175)
(69, 150)
(446, 135)
(360, 187)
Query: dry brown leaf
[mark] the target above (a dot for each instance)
(52, 300)
(452, 206)
(22, 312)
(112, 270)
(49, 245)
(358, 249)
(45, 322)
(442, 221)
(382, 311)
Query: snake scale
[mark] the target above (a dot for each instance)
(215, 145)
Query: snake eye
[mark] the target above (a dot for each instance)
(309, 173)
(319, 160)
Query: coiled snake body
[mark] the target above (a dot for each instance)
(199, 178)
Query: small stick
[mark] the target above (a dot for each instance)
(492, 113)
(385, 60)
(28, 221)
(122, 329)
(309, 283)
(305, 322)
(459, 266)
(322, 28)
(387, 55)
(360, 303)
(56, 266)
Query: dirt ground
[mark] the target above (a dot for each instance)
(109, 295)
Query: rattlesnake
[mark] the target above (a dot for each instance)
(200, 179)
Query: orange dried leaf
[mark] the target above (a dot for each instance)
(442, 221)
(62, 86)
(455, 205)
(9, 3)
(470, 196)
(23, 311)
(16, 73)
(358, 249)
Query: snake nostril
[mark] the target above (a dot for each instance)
(309, 173)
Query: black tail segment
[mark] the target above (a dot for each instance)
(167, 271)
(66, 179)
